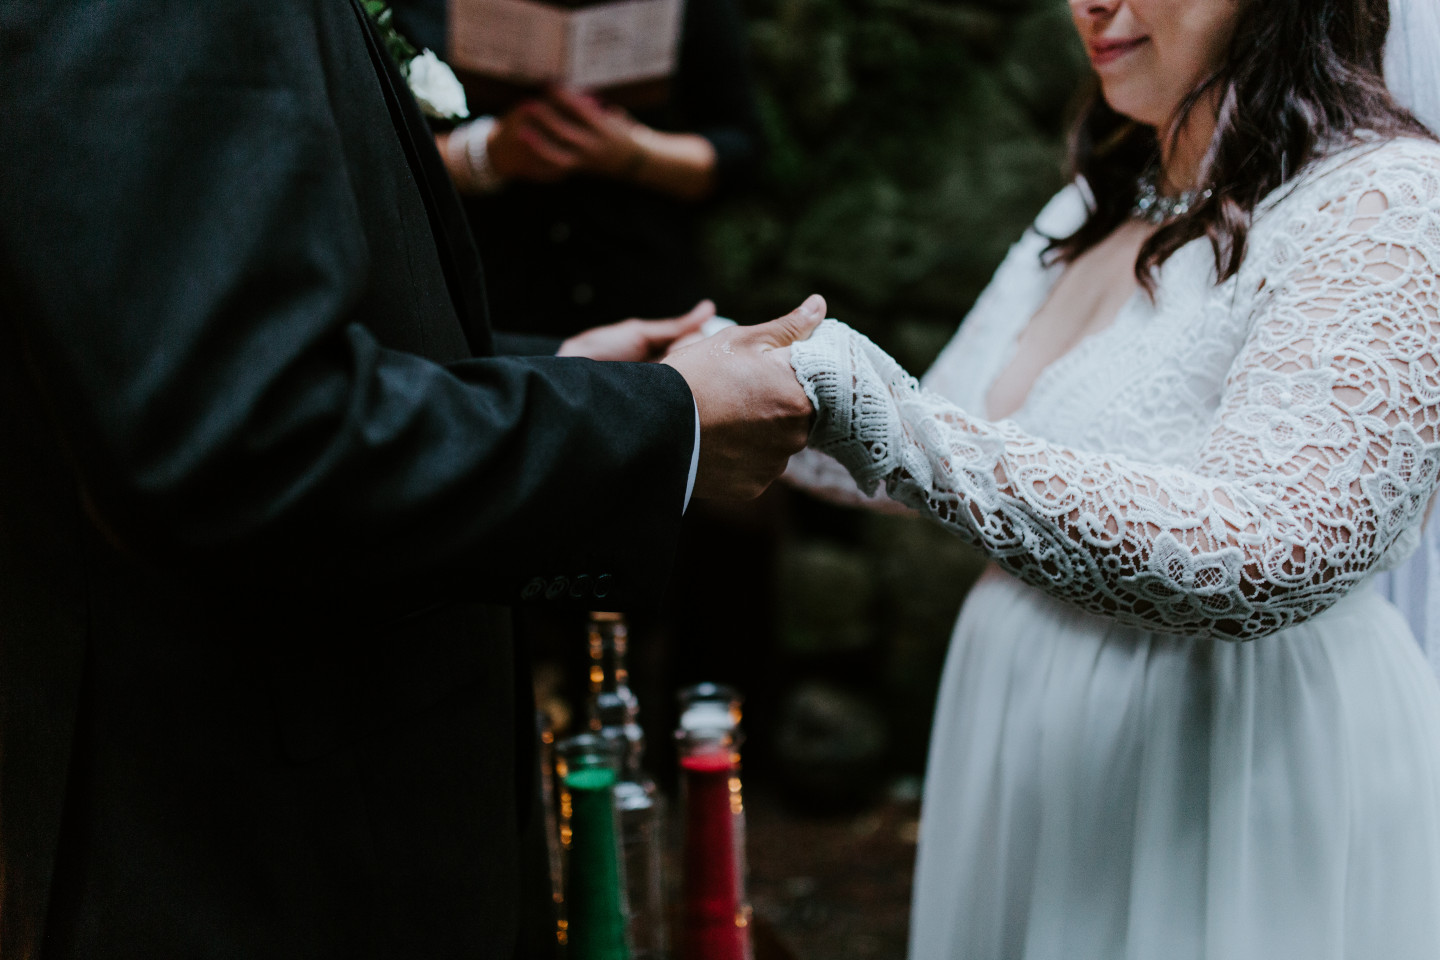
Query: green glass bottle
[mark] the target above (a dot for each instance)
(595, 910)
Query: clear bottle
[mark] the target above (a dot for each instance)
(614, 714)
(714, 912)
(595, 911)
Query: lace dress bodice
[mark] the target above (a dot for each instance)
(1224, 461)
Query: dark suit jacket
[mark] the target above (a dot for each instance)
(262, 495)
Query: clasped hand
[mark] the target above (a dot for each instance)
(753, 413)
(637, 340)
(567, 131)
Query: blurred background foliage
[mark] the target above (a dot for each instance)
(910, 143)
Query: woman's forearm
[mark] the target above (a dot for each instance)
(679, 164)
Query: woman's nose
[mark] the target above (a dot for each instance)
(1096, 9)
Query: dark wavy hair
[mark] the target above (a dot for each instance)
(1300, 77)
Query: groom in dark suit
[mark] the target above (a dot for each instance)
(266, 492)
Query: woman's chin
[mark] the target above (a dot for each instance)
(1126, 98)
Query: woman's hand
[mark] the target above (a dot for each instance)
(636, 340)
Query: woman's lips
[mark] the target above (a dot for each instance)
(1105, 51)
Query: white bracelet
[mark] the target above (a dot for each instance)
(469, 157)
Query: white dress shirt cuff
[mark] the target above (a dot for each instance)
(694, 461)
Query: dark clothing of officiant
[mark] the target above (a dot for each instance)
(563, 257)
(266, 495)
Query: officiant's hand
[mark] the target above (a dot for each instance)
(638, 340)
(566, 132)
(592, 136)
(753, 413)
(518, 149)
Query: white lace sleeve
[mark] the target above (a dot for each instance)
(1323, 451)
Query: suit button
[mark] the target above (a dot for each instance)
(582, 293)
(559, 232)
(533, 589)
(603, 583)
(580, 587)
(556, 590)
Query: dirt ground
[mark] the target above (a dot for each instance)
(834, 886)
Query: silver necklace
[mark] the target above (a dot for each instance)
(1154, 207)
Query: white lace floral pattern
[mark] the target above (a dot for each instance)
(1278, 443)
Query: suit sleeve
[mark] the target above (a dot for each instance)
(182, 256)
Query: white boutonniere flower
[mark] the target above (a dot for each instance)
(431, 80)
(436, 87)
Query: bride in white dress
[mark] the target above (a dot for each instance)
(1176, 721)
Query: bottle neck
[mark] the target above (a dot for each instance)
(614, 709)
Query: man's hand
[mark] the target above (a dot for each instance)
(753, 414)
(639, 340)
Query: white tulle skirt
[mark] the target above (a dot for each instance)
(1098, 792)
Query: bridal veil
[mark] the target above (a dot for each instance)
(1412, 71)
